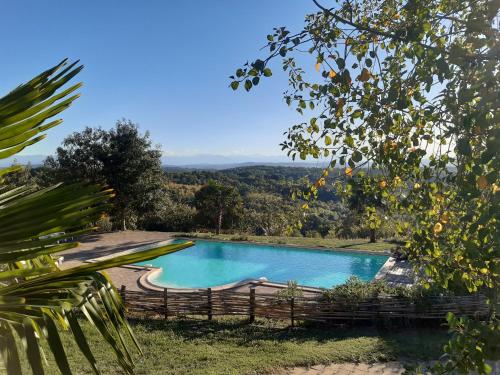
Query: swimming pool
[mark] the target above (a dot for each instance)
(210, 263)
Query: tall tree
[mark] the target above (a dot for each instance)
(269, 214)
(410, 88)
(365, 201)
(121, 158)
(37, 299)
(218, 206)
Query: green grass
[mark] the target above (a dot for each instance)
(328, 243)
(230, 346)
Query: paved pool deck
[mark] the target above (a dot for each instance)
(103, 244)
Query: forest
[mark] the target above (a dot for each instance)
(257, 200)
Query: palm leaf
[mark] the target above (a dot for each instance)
(37, 299)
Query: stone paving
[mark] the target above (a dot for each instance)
(389, 368)
(97, 245)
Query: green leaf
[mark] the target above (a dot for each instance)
(81, 341)
(463, 146)
(267, 72)
(56, 345)
(356, 156)
(8, 350)
(248, 85)
(234, 85)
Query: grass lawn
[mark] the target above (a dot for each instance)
(332, 243)
(230, 346)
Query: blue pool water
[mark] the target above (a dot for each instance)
(209, 264)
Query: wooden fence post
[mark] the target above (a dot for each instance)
(252, 305)
(292, 311)
(122, 293)
(165, 303)
(209, 292)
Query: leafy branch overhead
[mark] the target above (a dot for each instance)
(409, 90)
(37, 299)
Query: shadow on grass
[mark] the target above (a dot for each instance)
(422, 343)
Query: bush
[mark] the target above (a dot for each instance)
(292, 290)
(104, 224)
(355, 290)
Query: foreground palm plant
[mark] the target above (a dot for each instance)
(37, 298)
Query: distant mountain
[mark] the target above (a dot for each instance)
(220, 167)
(221, 162)
(34, 160)
(193, 162)
(211, 159)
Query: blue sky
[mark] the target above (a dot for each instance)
(163, 64)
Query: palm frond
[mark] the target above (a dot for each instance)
(37, 299)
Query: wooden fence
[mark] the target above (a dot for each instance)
(210, 303)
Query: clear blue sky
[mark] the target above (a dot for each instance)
(163, 64)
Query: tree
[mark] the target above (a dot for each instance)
(268, 214)
(218, 206)
(366, 201)
(121, 158)
(37, 299)
(409, 88)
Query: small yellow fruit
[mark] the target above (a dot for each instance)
(482, 182)
(348, 171)
(495, 188)
(438, 228)
(444, 218)
(397, 180)
(382, 184)
(416, 186)
(332, 74)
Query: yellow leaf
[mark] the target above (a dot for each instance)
(305, 206)
(482, 182)
(382, 184)
(332, 73)
(318, 66)
(444, 218)
(348, 171)
(328, 140)
(365, 75)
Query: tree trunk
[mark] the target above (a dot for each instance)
(124, 226)
(219, 223)
(372, 236)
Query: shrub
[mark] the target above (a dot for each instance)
(292, 290)
(355, 290)
(104, 224)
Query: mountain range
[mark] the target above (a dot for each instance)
(200, 161)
